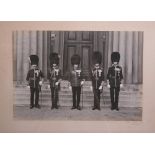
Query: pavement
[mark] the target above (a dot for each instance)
(23, 112)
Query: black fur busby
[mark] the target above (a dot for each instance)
(75, 59)
(97, 57)
(54, 58)
(34, 59)
(115, 57)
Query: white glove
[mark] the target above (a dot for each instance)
(56, 83)
(40, 83)
(70, 87)
(48, 86)
(100, 88)
(121, 85)
(108, 85)
(28, 86)
(82, 82)
(91, 88)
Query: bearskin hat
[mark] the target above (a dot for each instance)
(97, 57)
(34, 59)
(115, 57)
(75, 59)
(54, 58)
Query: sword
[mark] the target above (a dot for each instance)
(82, 92)
(41, 95)
(103, 97)
(82, 96)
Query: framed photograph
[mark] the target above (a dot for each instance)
(77, 76)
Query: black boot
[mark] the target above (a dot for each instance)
(56, 107)
(93, 108)
(73, 107)
(79, 108)
(37, 106)
(112, 108)
(31, 106)
(52, 107)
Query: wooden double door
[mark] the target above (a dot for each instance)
(78, 42)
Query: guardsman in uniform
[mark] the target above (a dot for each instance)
(97, 79)
(76, 81)
(35, 79)
(54, 76)
(114, 80)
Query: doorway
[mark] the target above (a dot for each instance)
(78, 42)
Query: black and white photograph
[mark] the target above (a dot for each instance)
(77, 75)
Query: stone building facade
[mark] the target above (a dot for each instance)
(84, 43)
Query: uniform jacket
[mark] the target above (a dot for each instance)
(54, 75)
(115, 75)
(97, 76)
(34, 76)
(75, 77)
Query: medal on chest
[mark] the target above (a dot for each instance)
(36, 72)
(117, 70)
(100, 72)
(97, 73)
(54, 73)
(78, 72)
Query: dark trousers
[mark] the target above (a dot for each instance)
(54, 97)
(96, 98)
(114, 94)
(76, 91)
(34, 91)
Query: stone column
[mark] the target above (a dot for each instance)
(40, 48)
(56, 42)
(61, 50)
(135, 57)
(33, 42)
(110, 47)
(115, 41)
(122, 49)
(140, 58)
(19, 56)
(128, 59)
(95, 48)
(14, 48)
(101, 44)
(26, 50)
(103, 48)
(45, 53)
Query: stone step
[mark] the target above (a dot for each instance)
(84, 98)
(90, 103)
(67, 91)
(85, 101)
(130, 96)
(67, 97)
(20, 94)
(87, 84)
(134, 100)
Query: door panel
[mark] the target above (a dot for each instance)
(71, 35)
(79, 42)
(87, 36)
(69, 51)
(85, 60)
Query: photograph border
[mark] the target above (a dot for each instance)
(7, 124)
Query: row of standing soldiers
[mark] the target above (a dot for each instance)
(76, 80)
